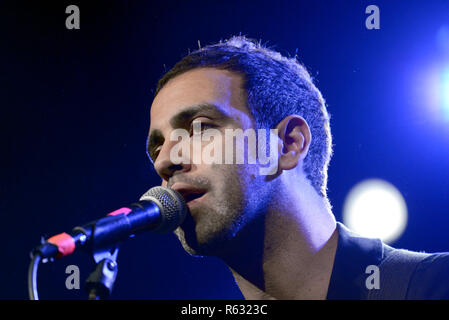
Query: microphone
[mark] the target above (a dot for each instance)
(159, 210)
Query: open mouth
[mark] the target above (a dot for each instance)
(188, 192)
(193, 196)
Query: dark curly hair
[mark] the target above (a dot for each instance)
(276, 87)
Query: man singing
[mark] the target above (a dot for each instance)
(274, 228)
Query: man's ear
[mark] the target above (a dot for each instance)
(295, 138)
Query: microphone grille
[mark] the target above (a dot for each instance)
(172, 205)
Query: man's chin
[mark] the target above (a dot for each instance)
(206, 232)
(191, 249)
(199, 245)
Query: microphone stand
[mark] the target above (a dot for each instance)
(100, 282)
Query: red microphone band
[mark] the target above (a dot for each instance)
(66, 244)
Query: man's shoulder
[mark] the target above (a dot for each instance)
(403, 274)
(430, 280)
(414, 275)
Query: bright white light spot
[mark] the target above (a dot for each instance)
(431, 90)
(374, 208)
(445, 93)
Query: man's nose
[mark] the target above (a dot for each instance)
(164, 165)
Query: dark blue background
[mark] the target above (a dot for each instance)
(75, 116)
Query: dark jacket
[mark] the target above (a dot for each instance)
(403, 274)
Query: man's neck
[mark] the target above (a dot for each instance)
(299, 245)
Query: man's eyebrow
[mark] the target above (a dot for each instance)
(186, 114)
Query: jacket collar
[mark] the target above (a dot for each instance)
(354, 254)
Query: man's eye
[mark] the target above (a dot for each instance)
(199, 126)
(205, 126)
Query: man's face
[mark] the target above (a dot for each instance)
(221, 198)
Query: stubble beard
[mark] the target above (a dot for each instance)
(209, 228)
